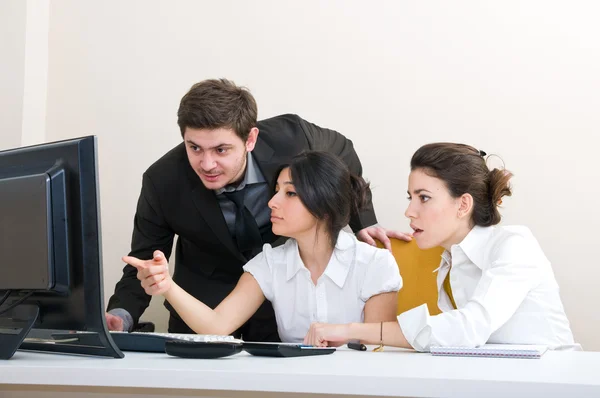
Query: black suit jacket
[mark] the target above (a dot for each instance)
(174, 202)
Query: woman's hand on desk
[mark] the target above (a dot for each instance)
(327, 334)
(154, 273)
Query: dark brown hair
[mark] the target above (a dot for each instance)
(327, 188)
(218, 103)
(464, 170)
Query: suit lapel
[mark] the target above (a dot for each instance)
(207, 205)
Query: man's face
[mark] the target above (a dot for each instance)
(218, 156)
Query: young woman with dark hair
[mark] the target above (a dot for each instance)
(320, 274)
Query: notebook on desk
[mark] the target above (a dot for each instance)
(493, 351)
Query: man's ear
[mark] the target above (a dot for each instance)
(251, 140)
(465, 205)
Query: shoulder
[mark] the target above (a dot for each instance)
(284, 134)
(279, 253)
(375, 269)
(169, 166)
(365, 254)
(272, 256)
(513, 243)
(287, 123)
(289, 126)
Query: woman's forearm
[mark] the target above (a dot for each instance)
(198, 316)
(373, 333)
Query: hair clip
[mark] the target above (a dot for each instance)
(482, 153)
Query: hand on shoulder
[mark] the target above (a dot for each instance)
(369, 234)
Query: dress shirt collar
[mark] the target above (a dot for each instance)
(252, 175)
(338, 266)
(471, 247)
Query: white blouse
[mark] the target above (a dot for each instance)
(356, 272)
(505, 292)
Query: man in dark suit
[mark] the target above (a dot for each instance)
(212, 192)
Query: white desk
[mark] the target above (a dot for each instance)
(346, 372)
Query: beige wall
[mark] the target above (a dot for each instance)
(519, 79)
(23, 72)
(12, 70)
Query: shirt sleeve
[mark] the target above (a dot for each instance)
(260, 268)
(324, 139)
(503, 286)
(382, 275)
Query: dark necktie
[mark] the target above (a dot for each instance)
(247, 234)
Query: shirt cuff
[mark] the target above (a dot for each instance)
(125, 316)
(416, 328)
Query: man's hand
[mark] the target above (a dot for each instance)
(369, 234)
(154, 274)
(114, 322)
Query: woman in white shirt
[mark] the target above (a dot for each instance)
(321, 274)
(495, 285)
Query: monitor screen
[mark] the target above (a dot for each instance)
(26, 230)
(51, 273)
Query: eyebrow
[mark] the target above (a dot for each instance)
(216, 146)
(418, 191)
(287, 183)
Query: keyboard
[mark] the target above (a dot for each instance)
(155, 342)
(141, 341)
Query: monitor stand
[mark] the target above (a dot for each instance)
(14, 327)
(17, 325)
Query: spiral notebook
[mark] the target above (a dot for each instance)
(493, 351)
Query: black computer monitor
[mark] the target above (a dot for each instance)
(50, 248)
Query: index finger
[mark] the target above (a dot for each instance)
(136, 262)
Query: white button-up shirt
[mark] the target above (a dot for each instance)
(355, 273)
(505, 292)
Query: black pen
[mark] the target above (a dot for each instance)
(357, 346)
